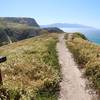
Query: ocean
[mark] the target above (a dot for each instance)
(92, 34)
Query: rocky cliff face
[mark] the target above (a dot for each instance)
(23, 20)
(15, 29)
(7, 35)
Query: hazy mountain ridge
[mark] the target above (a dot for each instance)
(66, 25)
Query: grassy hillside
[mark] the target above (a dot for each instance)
(19, 20)
(54, 30)
(87, 56)
(31, 71)
(13, 29)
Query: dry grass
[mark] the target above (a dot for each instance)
(87, 56)
(32, 69)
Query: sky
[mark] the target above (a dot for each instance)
(86, 12)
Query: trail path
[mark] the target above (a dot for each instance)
(72, 85)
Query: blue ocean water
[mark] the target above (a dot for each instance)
(92, 34)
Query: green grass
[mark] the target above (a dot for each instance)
(87, 56)
(31, 70)
(79, 35)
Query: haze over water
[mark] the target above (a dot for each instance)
(92, 34)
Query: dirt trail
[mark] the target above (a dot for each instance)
(72, 85)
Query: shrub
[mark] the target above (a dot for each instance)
(93, 72)
(79, 35)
